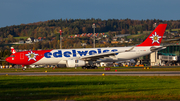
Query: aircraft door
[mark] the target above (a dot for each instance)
(137, 51)
(21, 56)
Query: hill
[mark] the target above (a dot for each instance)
(50, 29)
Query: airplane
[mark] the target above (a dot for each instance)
(86, 57)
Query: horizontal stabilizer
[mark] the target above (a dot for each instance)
(153, 49)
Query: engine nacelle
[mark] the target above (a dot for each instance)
(75, 63)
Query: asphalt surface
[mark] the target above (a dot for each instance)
(129, 73)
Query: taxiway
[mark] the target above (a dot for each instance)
(127, 73)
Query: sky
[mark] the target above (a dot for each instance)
(16, 12)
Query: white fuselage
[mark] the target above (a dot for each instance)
(59, 56)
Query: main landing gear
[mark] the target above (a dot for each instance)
(89, 67)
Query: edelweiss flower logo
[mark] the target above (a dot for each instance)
(32, 56)
(155, 38)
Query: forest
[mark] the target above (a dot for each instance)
(49, 30)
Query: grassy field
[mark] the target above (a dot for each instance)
(79, 69)
(172, 30)
(142, 36)
(100, 88)
(21, 37)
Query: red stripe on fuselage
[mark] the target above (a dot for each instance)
(27, 57)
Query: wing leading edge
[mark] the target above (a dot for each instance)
(102, 55)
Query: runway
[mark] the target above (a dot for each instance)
(129, 73)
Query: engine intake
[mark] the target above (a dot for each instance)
(75, 63)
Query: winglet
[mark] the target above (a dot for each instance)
(154, 39)
(13, 50)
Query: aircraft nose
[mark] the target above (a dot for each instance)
(7, 59)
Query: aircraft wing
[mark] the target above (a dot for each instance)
(102, 55)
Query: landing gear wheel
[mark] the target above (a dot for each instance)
(83, 67)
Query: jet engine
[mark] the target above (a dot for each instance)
(75, 63)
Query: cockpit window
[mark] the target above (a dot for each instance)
(12, 56)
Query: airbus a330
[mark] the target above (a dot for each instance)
(84, 57)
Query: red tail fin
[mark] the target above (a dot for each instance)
(13, 50)
(154, 39)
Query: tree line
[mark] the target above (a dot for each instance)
(50, 29)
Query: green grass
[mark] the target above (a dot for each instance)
(141, 36)
(167, 30)
(88, 88)
(135, 36)
(21, 37)
(79, 69)
(25, 37)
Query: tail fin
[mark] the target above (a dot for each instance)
(13, 50)
(154, 39)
